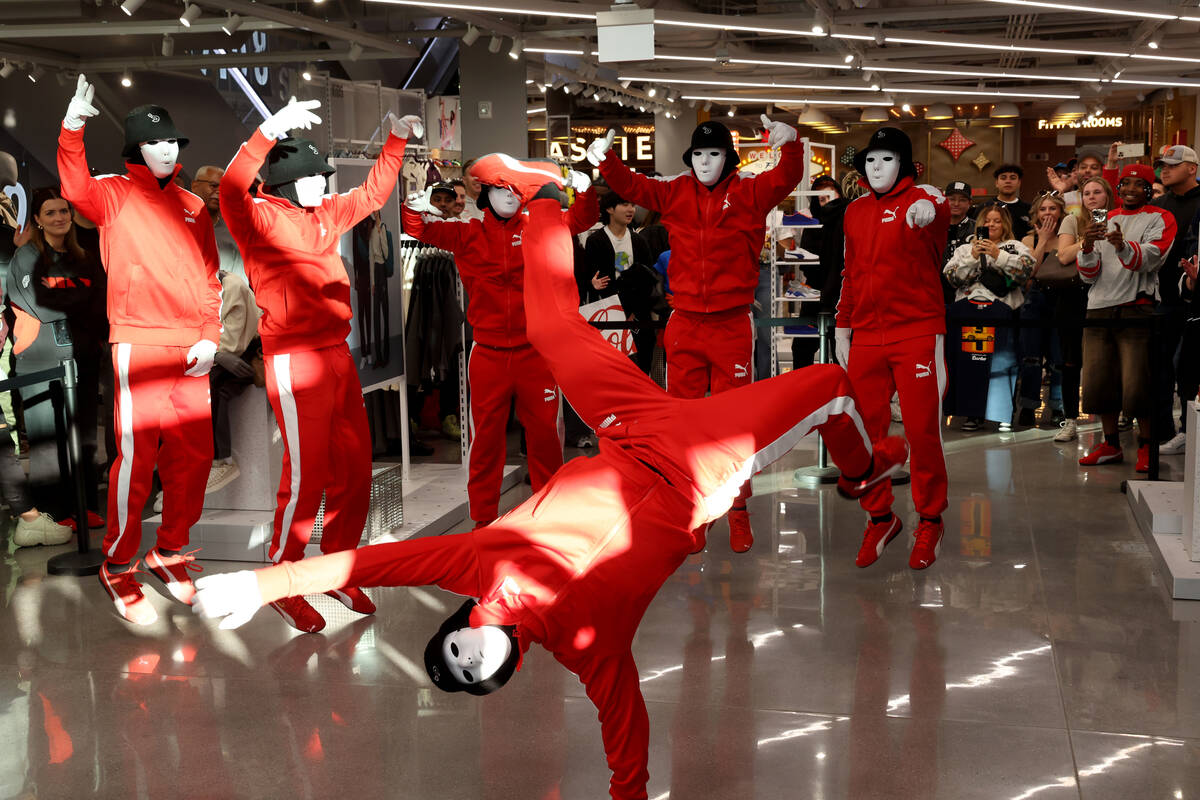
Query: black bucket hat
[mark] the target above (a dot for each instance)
(713, 134)
(147, 123)
(291, 159)
(892, 139)
(435, 661)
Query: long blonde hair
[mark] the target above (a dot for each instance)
(1006, 226)
(1083, 216)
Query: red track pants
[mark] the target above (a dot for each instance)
(496, 377)
(916, 369)
(159, 415)
(318, 404)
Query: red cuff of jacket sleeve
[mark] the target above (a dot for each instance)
(212, 333)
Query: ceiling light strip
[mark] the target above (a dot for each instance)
(743, 84)
(1087, 9)
(535, 12)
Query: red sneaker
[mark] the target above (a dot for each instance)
(1143, 459)
(299, 614)
(875, 538)
(889, 456)
(354, 599)
(173, 571)
(95, 520)
(524, 178)
(1103, 453)
(927, 545)
(126, 593)
(741, 538)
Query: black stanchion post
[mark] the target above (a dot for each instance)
(85, 561)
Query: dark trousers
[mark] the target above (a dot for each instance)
(223, 387)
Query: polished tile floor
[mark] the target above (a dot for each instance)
(1037, 659)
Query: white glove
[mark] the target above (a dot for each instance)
(422, 203)
(409, 125)
(579, 181)
(597, 149)
(841, 346)
(296, 114)
(778, 133)
(232, 595)
(920, 214)
(202, 353)
(80, 107)
(935, 194)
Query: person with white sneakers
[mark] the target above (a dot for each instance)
(288, 234)
(157, 245)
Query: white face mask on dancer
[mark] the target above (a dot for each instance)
(503, 202)
(883, 169)
(708, 163)
(160, 156)
(310, 190)
(474, 654)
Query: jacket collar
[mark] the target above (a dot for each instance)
(904, 183)
(142, 177)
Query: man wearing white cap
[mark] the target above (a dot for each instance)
(1177, 165)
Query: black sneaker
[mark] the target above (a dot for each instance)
(971, 424)
(1026, 419)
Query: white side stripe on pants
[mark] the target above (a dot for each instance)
(282, 365)
(125, 409)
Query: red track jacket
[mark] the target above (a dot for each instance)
(717, 235)
(891, 286)
(157, 245)
(489, 258)
(291, 254)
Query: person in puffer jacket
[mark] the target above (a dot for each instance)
(892, 305)
(716, 219)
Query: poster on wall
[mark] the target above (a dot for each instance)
(370, 252)
(442, 123)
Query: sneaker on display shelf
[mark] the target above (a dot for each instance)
(1068, 431)
(1174, 446)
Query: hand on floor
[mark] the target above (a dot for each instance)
(231, 595)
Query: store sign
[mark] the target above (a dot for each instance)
(639, 147)
(1086, 123)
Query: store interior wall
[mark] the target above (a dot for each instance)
(671, 138)
(496, 79)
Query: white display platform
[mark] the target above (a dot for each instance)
(1191, 497)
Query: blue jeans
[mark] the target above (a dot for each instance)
(1039, 349)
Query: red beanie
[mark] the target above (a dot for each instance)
(1138, 171)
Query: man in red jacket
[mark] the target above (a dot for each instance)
(156, 242)
(288, 235)
(575, 566)
(503, 365)
(716, 219)
(892, 303)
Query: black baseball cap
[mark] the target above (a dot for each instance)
(958, 187)
(443, 186)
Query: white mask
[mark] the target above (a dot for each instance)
(474, 654)
(503, 202)
(310, 190)
(883, 169)
(160, 156)
(708, 163)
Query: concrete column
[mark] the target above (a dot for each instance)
(671, 138)
(498, 81)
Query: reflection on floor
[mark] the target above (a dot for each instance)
(1036, 659)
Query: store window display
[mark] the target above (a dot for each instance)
(157, 245)
(891, 326)
(716, 219)
(289, 232)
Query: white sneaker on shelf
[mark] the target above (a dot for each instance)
(1068, 431)
(1175, 446)
(221, 475)
(42, 529)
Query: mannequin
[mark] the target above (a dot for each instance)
(717, 221)
(289, 237)
(895, 236)
(164, 304)
(575, 566)
(502, 364)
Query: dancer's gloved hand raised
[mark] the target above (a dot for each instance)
(232, 597)
(406, 126)
(922, 212)
(598, 148)
(422, 202)
(296, 114)
(778, 133)
(200, 358)
(579, 181)
(80, 107)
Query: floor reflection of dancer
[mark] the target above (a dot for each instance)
(289, 235)
(576, 565)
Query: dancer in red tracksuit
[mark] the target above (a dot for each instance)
(503, 365)
(716, 220)
(892, 303)
(288, 235)
(157, 245)
(575, 566)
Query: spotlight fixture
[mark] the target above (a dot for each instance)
(574, 88)
(906, 108)
(308, 72)
(191, 13)
(1005, 111)
(10, 118)
(879, 38)
(168, 45)
(849, 59)
(708, 105)
(1155, 41)
(642, 108)
(820, 24)
(518, 47)
(231, 24)
(625, 84)
(651, 92)
(542, 88)
(732, 111)
(1141, 97)
(130, 7)
(939, 111)
(34, 73)
(494, 44)
(126, 79)
(471, 36)
(596, 95)
(8, 69)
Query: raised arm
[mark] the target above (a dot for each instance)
(963, 267)
(770, 187)
(419, 221)
(649, 193)
(350, 207)
(95, 199)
